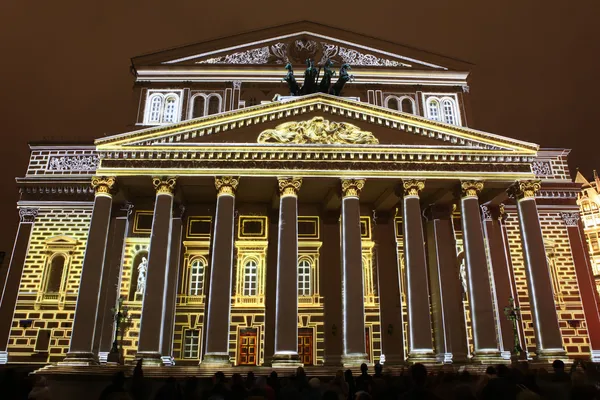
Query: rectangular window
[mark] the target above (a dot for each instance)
(191, 344)
(42, 342)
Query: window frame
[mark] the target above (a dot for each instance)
(308, 274)
(192, 275)
(399, 100)
(184, 347)
(252, 292)
(207, 97)
(163, 94)
(441, 98)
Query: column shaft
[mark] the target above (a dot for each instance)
(171, 295)
(483, 311)
(545, 319)
(86, 310)
(286, 307)
(8, 300)
(153, 309)
(219, 301)
(446, 294)
(585, 281)
(352, 276)
(420, 341)
(388, 274)
(332, 290)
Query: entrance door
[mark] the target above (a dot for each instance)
(305, 345)
(247, 347)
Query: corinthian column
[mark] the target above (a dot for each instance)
(8, 299)
(352, 275)
(420, 342)
(548, 338)
(219, 297)
(286, 307)
(86, 311)
(483, 312)
(152, 323)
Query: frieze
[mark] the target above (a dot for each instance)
(78, 163)
(570, 218)
(541, 168)
(356, 58)
(28, 214)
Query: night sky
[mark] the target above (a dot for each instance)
(65, 76)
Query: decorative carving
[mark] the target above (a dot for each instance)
(352, 187)
(486, 213)
(289, 186)
(524, 189)
(317, 131)
(466, 89)
(570, 218)
(237, 85)
(164, 185)
(252, 56)
(471, 188)
(412, 187)
(73, 163)
(355, 57)
(541, 168)
(28, 214)
(127, 208)
(141, 279)
(103, 184)
(226, 185)
(502, 212)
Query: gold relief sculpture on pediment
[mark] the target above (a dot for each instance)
(317, 131)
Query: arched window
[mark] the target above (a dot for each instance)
(170, 109)
(197, 277)
(407, 106)
(433, 109)
(392, 103)
(448, 108)
(214, 105)
(304, 284)
(198, 110)
(250, 278)
(155, 108)
(55, 274)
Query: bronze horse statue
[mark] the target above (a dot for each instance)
(291, 80)
(328, 73)
(336, 89)
(310, 78)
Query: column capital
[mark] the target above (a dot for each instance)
(164, 184)
(471, 188)
(413, 187)
(570, 218)
(127, 208)
(28, 214)
(103, 185)
(226, 185)
(289, 186)
(493, 211)
(524, 189)
(352, 187)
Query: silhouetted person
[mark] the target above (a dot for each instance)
(418, 374)
(364, 381)
(238, 390)
(191, 390)
(500, 388)
(362, 395)
(250, 380)
(273, 382)
(301, 380)
(351, 385)
(116, 389)
(219, 389)
(138, 387)
(339, 385)
(559, 372)
(40, 390)
(169, 391)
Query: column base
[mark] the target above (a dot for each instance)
(354, 359)
(168, 361)
(549, 355)
(491, 356)
(445, 358)
(286, 360)
(594, 356)
(79, 358)
(3, 357)
(423, 357)
(394, 359)
(212, 360)
(149, 358)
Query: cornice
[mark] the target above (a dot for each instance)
(183, 131)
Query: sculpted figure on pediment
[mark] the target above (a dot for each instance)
(317, 131)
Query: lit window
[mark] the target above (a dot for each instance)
(197, 277)
(250, 278)
(155, 108)
(304, 268)
(55, 274)
(433, 110)
(170, 109)
(449, 114)
(191, 343)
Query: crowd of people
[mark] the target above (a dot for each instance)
(503, 382)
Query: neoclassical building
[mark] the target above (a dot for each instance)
(238, 224)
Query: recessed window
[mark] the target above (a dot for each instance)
(304, 284)
(403, 103)
(55, 274)
(162, 108)
(443, 109)
(250, 278)
(206, 104)
(191, 344)
(197, 277)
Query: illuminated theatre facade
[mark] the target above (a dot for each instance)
(240, 227)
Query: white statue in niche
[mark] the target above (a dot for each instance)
(463, 275)
(141, 279)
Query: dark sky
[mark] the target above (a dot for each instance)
(64, 71)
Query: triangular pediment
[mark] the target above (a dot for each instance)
(296, 42)
(62, 241)
(389, 127)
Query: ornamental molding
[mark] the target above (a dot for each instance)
(317, 131)
(570, 218)
(78, 163)
(541, 168)
(226, 185)
(486, 213)
(471, 188)
(164, 185)
(354, 57)
(352, 187)
(52, 188)
(524, 189)
(28, 214)
(289, 186)
(413, 187)
(103, 184)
